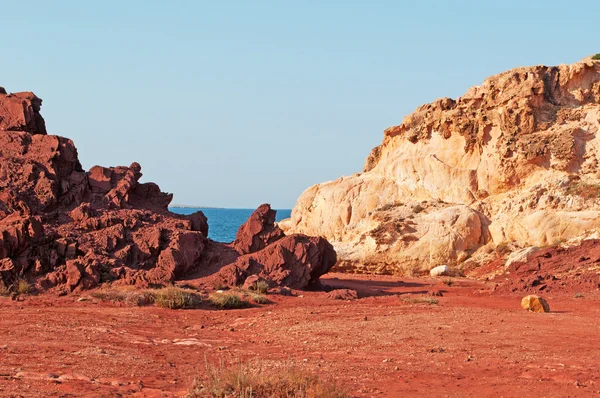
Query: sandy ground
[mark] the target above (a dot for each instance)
(469, 344)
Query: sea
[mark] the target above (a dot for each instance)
(224, 223)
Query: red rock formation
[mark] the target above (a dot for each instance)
(296, 261)
(259, 231)
(69, 229)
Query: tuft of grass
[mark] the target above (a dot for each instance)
(228, 300)
(259, 298)
(578, 295)
(23, 287)
(261, 287)
(4, 291)
(128, 296)
(420, 300)
(596, 57)
(448, 282)
(247, 381)
(174, 297)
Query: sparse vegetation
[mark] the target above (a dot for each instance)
(259, 298)
(4, 291)
(228, 300)
(448, 282)
(584, 190)
(247, 381)
(174, 297)
(596, 57)
(578, 295)
(261, 287)
(23, 287)
(127, 295)
(420, 300)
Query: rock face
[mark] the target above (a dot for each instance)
(511, 162)
(69, 229)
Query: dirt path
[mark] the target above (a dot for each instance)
(469, 344)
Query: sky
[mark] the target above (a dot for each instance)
(238, 103)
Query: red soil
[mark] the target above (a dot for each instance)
(470, 344)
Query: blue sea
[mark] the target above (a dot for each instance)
(224, 223)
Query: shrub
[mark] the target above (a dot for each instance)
(4, 291)
(228, 301)
(259, 298)
(174, 297)
(23, 287)
(128, 296)
(578, 295)
(246, 381)
(596, 57)
(261, 287)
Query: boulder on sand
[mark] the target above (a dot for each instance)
(535, 303)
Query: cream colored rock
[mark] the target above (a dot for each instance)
(440, 270)
(514, 161)
(521, 256)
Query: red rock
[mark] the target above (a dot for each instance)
(259, 231)
(71, 230)
(295, 261)
(21, 112)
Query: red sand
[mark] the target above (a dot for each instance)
(470, 344)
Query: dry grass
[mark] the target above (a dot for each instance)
(247, 381)
(174, 297)
(420, 300)
(228, 300)
(4, 291)
(169, 297)
(128, 295)
(23, 287)
(261, 287)
(259, 298)
(448, 282)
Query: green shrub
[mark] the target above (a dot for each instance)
(174, 297)
(247, 381)
(596, 57)
(228, 300)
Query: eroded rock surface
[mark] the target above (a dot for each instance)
(511, 162)
(69, 229)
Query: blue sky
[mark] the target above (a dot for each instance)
(236, 103)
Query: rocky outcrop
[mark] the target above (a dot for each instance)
(296, 261)
(67, 229)
(513, 162)
(258, 232)
(21, 112)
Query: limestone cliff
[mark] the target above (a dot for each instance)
(511, 162)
